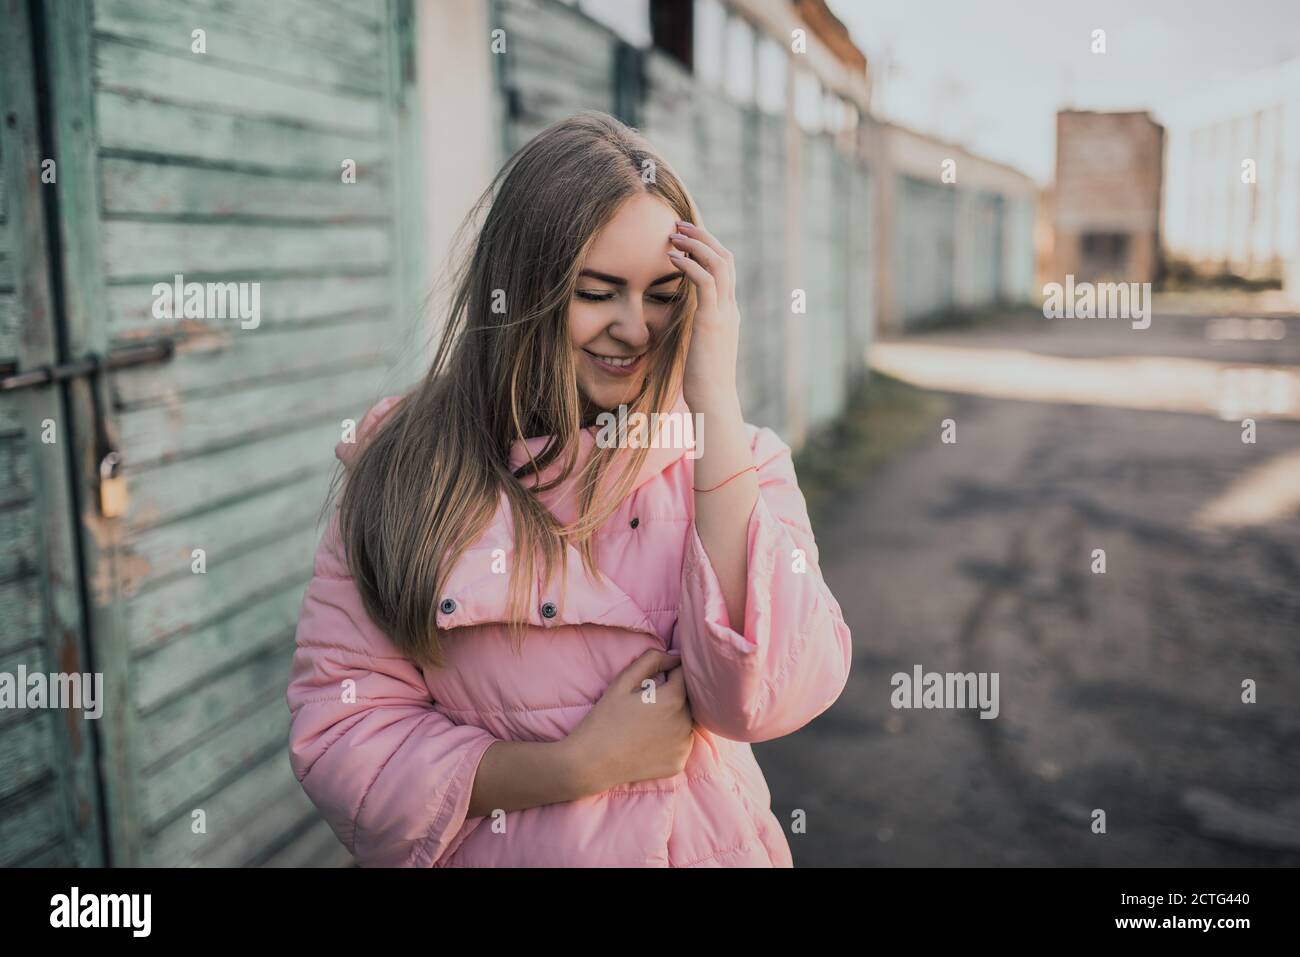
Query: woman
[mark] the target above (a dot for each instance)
(520, 647)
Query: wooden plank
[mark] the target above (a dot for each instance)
(142, 188)
(199, 772)
(233, 36)
(369, 14)
(189, 718)
(18, 532)
(16, 484)
(210, 422)
(317, 846)
(174, 490)
(22, 611)
(130, 124)
(70, 55)
(242, 820)
(31, 657)
(30, 823)
(547, 99)
(240, 358)
(56, 855)
(25, 749)
(151, 252)
(561, 31)
(580, 62)
(185, 662)
(283, 302)
(55, 600)
(166, 551)
(197, 81)
(158, 614)
(300, 21)
(9, 330)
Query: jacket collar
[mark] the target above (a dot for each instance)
(479, 583)
(562, 500)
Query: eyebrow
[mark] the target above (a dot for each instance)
(620, 281)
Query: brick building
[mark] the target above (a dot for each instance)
(1107, 196)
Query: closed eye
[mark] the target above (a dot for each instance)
(664, 298)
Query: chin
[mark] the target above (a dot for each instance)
(608, 400)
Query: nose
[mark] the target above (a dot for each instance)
(630, 326)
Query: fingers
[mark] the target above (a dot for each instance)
(702, 234)
(674, 689)
(676, 678)
(719, 253)
(704, 281)
(649, 664)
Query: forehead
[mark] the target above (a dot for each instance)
(635, 241)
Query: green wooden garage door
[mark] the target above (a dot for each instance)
(223, 165)
(49, 798)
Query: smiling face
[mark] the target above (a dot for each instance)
(621, 306)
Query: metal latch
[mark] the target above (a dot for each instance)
(112, 483)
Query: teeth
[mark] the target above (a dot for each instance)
(615, 361)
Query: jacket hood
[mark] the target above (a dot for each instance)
(478, 591)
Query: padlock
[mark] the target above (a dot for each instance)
(112, 487)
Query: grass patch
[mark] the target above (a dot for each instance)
(975, 318)
(883, 416)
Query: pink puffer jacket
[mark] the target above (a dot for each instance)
(391, 765)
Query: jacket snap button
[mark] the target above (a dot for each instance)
(447, 606)
(636, 522)
(549, 610)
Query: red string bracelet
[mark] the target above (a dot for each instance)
(752, 468)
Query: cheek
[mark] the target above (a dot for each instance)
(585, 322)
(659, 318)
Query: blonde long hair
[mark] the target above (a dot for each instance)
(428, 483)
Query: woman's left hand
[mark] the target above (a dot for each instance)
(710, 375)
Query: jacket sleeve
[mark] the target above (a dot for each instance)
(789, 660)
(391, 774)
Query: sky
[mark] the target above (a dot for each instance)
(991, 74)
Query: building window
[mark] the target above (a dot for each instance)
(833, 108)
(630, 19)
(1104, 256)
(710, 27)
(808, 101)
(739, 61)
(671, 29)
(772, 66)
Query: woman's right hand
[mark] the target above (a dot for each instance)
(628, 737)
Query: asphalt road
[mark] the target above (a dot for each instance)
(1119, 692)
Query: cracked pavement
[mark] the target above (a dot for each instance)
(1118, 691)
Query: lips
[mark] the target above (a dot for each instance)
(615, 365)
